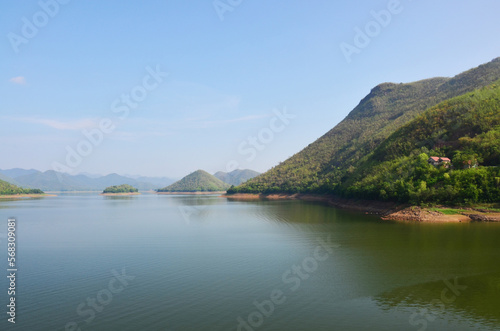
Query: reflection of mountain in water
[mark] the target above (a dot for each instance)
(475, 297)
(195, 208)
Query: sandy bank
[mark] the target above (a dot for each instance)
(17, 196)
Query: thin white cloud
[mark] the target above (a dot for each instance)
(77, 125)
(196, 119)
(234, 120)
(136, 136)
(248, 118)
(31, 140)
(20, 80)
(205, 121)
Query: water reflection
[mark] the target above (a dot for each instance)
(377, 256)
(203, 261)
(120, 197)
(476, 298)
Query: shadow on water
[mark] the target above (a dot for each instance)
(304, 212)
(475, 297)
(382, 255)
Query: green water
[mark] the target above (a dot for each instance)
(205, 263)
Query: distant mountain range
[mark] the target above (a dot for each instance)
(8, 179)
(236, 177)
(17, 172)
(55, 181)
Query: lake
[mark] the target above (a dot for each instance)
(167, 262)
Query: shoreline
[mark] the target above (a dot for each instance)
(14, 196)
(385, 210)
(191, 193)
(119, 194)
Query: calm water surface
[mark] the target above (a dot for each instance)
(153, 262)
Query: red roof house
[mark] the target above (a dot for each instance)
(436, 161)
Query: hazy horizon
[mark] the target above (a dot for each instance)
(134, 176)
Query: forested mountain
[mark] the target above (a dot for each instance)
(198, 181)
(325, 165)
(236, 177)
(465, 129)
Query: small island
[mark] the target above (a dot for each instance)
(124, 189)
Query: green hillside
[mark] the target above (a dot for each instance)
(125, 188)
(198, 181)
(465, 129)
(9, 189)
(323, 165)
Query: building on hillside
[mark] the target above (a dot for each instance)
(437, 161)
(470, 164)
(434, 160)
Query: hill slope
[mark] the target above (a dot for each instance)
(8, 179)
(8, 189)
(465, 129)
(236, 177)
(198, 181)
(321, 166)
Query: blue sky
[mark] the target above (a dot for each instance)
(221, 81)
